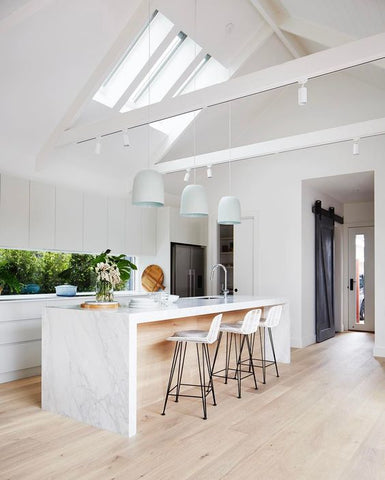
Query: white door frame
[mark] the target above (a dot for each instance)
(346, 268)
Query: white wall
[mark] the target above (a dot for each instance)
(273, 187)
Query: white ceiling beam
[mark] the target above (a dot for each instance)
(21, 14)
(266, 11)
(327, 136)
(327, 61)
(324, 36)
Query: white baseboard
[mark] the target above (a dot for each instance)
(379, 351)
(18, 374)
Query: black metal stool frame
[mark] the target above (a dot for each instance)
(238, 357)
(204, 364)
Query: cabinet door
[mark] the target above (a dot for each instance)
(14, 212)
(42, 216)
(244, 256)
(69, 220)
(95, 223)
(116, 225)
(140, 230)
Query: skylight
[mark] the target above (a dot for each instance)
(154, 66)
(133, 61)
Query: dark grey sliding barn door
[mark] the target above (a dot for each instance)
(324, 265)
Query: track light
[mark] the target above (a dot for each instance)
(126, 139)
(209, 171)
(187, 175)
(98, 145)
(302, 93)
(356, 146)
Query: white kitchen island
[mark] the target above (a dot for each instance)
(99, 366)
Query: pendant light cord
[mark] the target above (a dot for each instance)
(149, 85)
(230, 143)
(195, 117)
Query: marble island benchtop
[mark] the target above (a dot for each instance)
(100, 366)
(185, 307)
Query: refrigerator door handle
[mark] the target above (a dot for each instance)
(189, 283)
(193, 281)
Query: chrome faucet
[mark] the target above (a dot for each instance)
(224, 291)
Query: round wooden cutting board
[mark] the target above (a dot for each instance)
(152, 278)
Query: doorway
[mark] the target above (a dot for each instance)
(361, 279)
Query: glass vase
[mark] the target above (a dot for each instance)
(104, 291)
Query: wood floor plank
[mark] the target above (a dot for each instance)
(323, 418)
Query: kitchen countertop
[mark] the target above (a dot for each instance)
(186, 307)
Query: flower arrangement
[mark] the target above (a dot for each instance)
(110, 271)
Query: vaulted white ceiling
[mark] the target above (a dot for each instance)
(56, 53)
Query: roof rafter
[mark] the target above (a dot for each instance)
(264, 8)
(325, 36)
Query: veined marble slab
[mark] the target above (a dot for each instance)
(89, 358)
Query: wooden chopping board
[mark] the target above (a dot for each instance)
(152, 278)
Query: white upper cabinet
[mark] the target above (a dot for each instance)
(42, 216)
(140, 230)
(69, 220)
(14, 212)
(95, 223)
(116, 225)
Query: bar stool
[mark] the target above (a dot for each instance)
(245, 328)
(272, 320)
(204, 338)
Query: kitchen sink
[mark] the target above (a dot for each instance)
(211, 297)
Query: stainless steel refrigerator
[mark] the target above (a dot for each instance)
(187, 270)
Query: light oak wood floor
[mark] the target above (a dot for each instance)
(324, 418)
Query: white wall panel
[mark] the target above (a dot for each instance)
(95, 223)
(42, 216)
(116, 225)
(69, 220)
(14, 212)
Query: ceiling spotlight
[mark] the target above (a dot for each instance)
(187, 175)
(126, 139)
(98, 145)
(356, 146)
(302, 93)
(209, 171)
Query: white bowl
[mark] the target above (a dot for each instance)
(173, 298)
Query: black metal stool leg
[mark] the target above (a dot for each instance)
(251, 364)
(262, 353)
(180, 370)
(238, 371)
(272, 348)
(216, 351)
(210, 371)
(228, 353)
(172, 371)
(202, 380)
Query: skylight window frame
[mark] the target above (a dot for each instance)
(114, 87)
(202, 63)
(163, 62)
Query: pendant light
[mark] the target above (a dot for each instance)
(229, 207)
(193, 202)
(148, 187)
